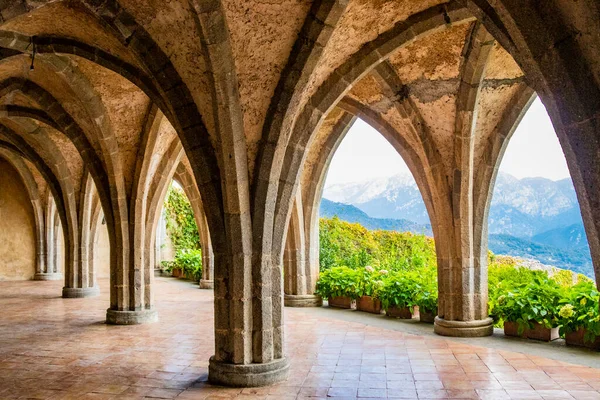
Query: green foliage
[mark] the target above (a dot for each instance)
(505, 273)
(579, 309)
(183, 231)
(190, 261)
(371, 281)
(536, 300)
(343, 243)
(339, 281)
(516, 293)
(563, 277)
(352, 245)
(401, 289)
(181, 225)
(427, 297)
(168, 266)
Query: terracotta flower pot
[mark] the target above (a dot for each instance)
(427, 316)
(512, 329)
(340, 302)
(538, 332)
(177, 273)
(368, 304)
(576, 339)
(399, 312)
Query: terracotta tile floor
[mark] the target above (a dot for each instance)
(52, 348)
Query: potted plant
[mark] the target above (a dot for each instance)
(398, 295)
(427, 301)
(579, 316)
(190, 263)
(370, 285)
(172, 268)
(530, 309)
(340, 285)
(177, 272)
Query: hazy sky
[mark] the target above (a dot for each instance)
(533, 151)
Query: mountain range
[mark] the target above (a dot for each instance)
(531, 218)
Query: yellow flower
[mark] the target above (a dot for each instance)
(566, 311)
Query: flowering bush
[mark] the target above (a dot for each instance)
(529, 302)
(580, 310)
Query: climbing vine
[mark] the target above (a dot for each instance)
(181, 225)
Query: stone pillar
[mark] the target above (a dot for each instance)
(462, 260)
(79, 280)
(208, 269)
(299, 282)
(208, 258)
(49, 270)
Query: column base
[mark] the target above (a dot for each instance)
(206, 284)
(248, 375)
(302, 300)
(54, 276)
(115, 317)
(77, 293)
(477, 328)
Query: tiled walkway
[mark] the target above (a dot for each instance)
(52, 348)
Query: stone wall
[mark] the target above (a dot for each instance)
(17, 229)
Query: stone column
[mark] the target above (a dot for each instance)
(462, 260)
(79, 280)
(208, 258)
(299, 279)
(48, 271)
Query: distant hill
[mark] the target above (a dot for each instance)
(568, 237)
(520, 207)
(575, 259)
(350, 213)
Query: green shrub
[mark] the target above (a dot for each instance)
(427, 298)
(563, 277)
(525, 303)
(400, 289)
(339, 281)
(371, 281)
(579, 309)
(190, 261)
(343, 243)
(168, 266)
(354, 246)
